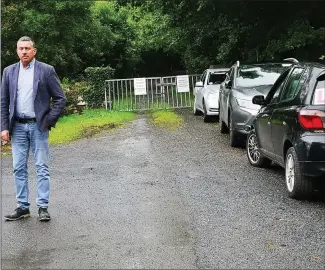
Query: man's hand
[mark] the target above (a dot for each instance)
(5, 136)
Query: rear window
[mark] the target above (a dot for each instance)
(319, 94)
(216, 78)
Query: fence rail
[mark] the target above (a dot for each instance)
(159, 93)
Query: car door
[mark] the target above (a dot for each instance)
(263, 119)
(204, 88)
(198, 92)
(226, 93)
(221, 93)
(285, 114)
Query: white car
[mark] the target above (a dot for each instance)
(206, 93)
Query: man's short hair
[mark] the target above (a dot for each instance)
(25, 38)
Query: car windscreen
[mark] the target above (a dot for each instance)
(255, 75)
(216, 78)
(319, 94)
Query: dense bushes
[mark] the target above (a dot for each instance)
(73, 91)
(94, 94)
(158, 37)
(90, 92)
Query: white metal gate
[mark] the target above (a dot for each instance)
(161, 93)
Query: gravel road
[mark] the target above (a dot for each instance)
(146, 197)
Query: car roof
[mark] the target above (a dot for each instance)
(302, 63)
(310, 64)
(218, 69)
(266, 63)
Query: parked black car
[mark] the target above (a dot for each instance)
(244, 81)
(290, 128)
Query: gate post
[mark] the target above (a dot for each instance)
(108, 101)
(105, 100)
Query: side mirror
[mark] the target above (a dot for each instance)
(258, 100)
(229, 84)
(321, 77)
(199, 84)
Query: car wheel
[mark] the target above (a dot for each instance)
(222, 126)
(206, 117)
(195, 110)
(232, 133)
(298, 186)
(254, 154)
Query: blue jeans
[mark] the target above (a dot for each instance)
(24, 137)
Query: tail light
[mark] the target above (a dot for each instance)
(311, 119)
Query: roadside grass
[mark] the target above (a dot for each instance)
(166, 119)
(135, 103)
(74, 127)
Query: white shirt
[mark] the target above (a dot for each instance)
(25, 101)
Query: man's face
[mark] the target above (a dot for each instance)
(26, 52)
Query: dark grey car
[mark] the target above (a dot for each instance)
(242, 83)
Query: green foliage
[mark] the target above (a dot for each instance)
(73, 91)
(299, 35)
(128, 32)
(114, 35)
(135, 103)
(221, 32)
(10, 30)
(166, 119)
(135, 37)
(56, 27)
(152, 29)
(94, 95)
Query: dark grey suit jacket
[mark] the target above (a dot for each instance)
(46, 86)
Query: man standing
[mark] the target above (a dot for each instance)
(27, 90)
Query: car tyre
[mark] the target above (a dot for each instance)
(195, 110)
(222, 126)
(206, 117)
(234, 142)
(298, 186)
(253, 152)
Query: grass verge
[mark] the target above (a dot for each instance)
(166, 119)
(73, 127)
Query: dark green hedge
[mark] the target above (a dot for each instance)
(94, 95)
